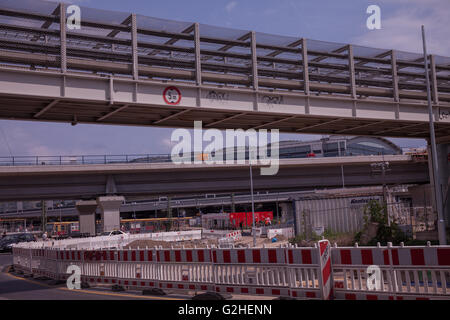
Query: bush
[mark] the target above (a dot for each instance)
(375, 212)
(302, 237)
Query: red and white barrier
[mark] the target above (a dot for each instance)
(325, 269)
(322, 272)
(235, 235)
(405, 272)
(285, 232)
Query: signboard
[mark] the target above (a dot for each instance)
(362, 201)
(172, 95)
(444, 114)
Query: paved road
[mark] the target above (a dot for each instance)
(13, 287)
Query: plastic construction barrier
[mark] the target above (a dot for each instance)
(320, 272)
(404, 273)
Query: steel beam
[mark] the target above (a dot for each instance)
(339, 50)
(398, 128)
(241, 38)
(45, 109)
(395, 92)
(352, 78)
(62, 35)
(134, 47)
(225, 119)
(114, 33)
(173, 40)
(360, 127)
(277, 52)
(434, 84)
(198, 62)
(254, 69)
(318, 125)
(112, 112)
(394, 77)
(176, 114)
(427, 131)
(305, 73)
(275, 122)
(47, 23)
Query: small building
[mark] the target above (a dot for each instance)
(219, 221)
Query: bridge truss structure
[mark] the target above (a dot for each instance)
(128, 69)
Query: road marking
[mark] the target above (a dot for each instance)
(93, 291)
(28, 280)
(120, 294)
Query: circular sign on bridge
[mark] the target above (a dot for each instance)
(172, 95)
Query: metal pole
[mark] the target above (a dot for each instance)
(44, 216)
(437, 189)
(342, 167)
(383, 174)
(253, 203)
(62, 35)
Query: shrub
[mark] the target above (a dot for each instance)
(374, 212)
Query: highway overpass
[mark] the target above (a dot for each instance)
(162, 204)
(162, 179)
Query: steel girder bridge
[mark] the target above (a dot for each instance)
(134, 70)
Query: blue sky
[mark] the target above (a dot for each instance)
(341, 21)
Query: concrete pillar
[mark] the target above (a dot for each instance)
(110, 209)
(86, 214)
(287, 212)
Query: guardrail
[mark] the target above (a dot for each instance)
(83, 159)
(111, 159)
(320, 272)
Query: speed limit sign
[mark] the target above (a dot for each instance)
(172, 95)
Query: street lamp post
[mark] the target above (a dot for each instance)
(437, 189)
(253, 203)
(60, 212)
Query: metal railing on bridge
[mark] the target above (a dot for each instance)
(83, 159)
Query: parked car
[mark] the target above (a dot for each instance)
(7, 241)
(114, 233)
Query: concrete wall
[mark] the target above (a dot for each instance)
(339, 214)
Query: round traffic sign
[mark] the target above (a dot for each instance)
(172, 95)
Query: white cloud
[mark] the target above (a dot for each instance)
(401, 29)
(230, 6)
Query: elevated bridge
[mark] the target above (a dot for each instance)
(127, 69)
(154, 179)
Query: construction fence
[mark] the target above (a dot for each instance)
(319, 272)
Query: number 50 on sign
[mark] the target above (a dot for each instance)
(172, 95)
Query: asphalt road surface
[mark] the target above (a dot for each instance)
(15, 287)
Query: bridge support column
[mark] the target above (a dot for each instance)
(287, 212)
(86, 214)
(110, 209)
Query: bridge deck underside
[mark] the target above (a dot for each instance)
(140, 115)
(115, 68)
